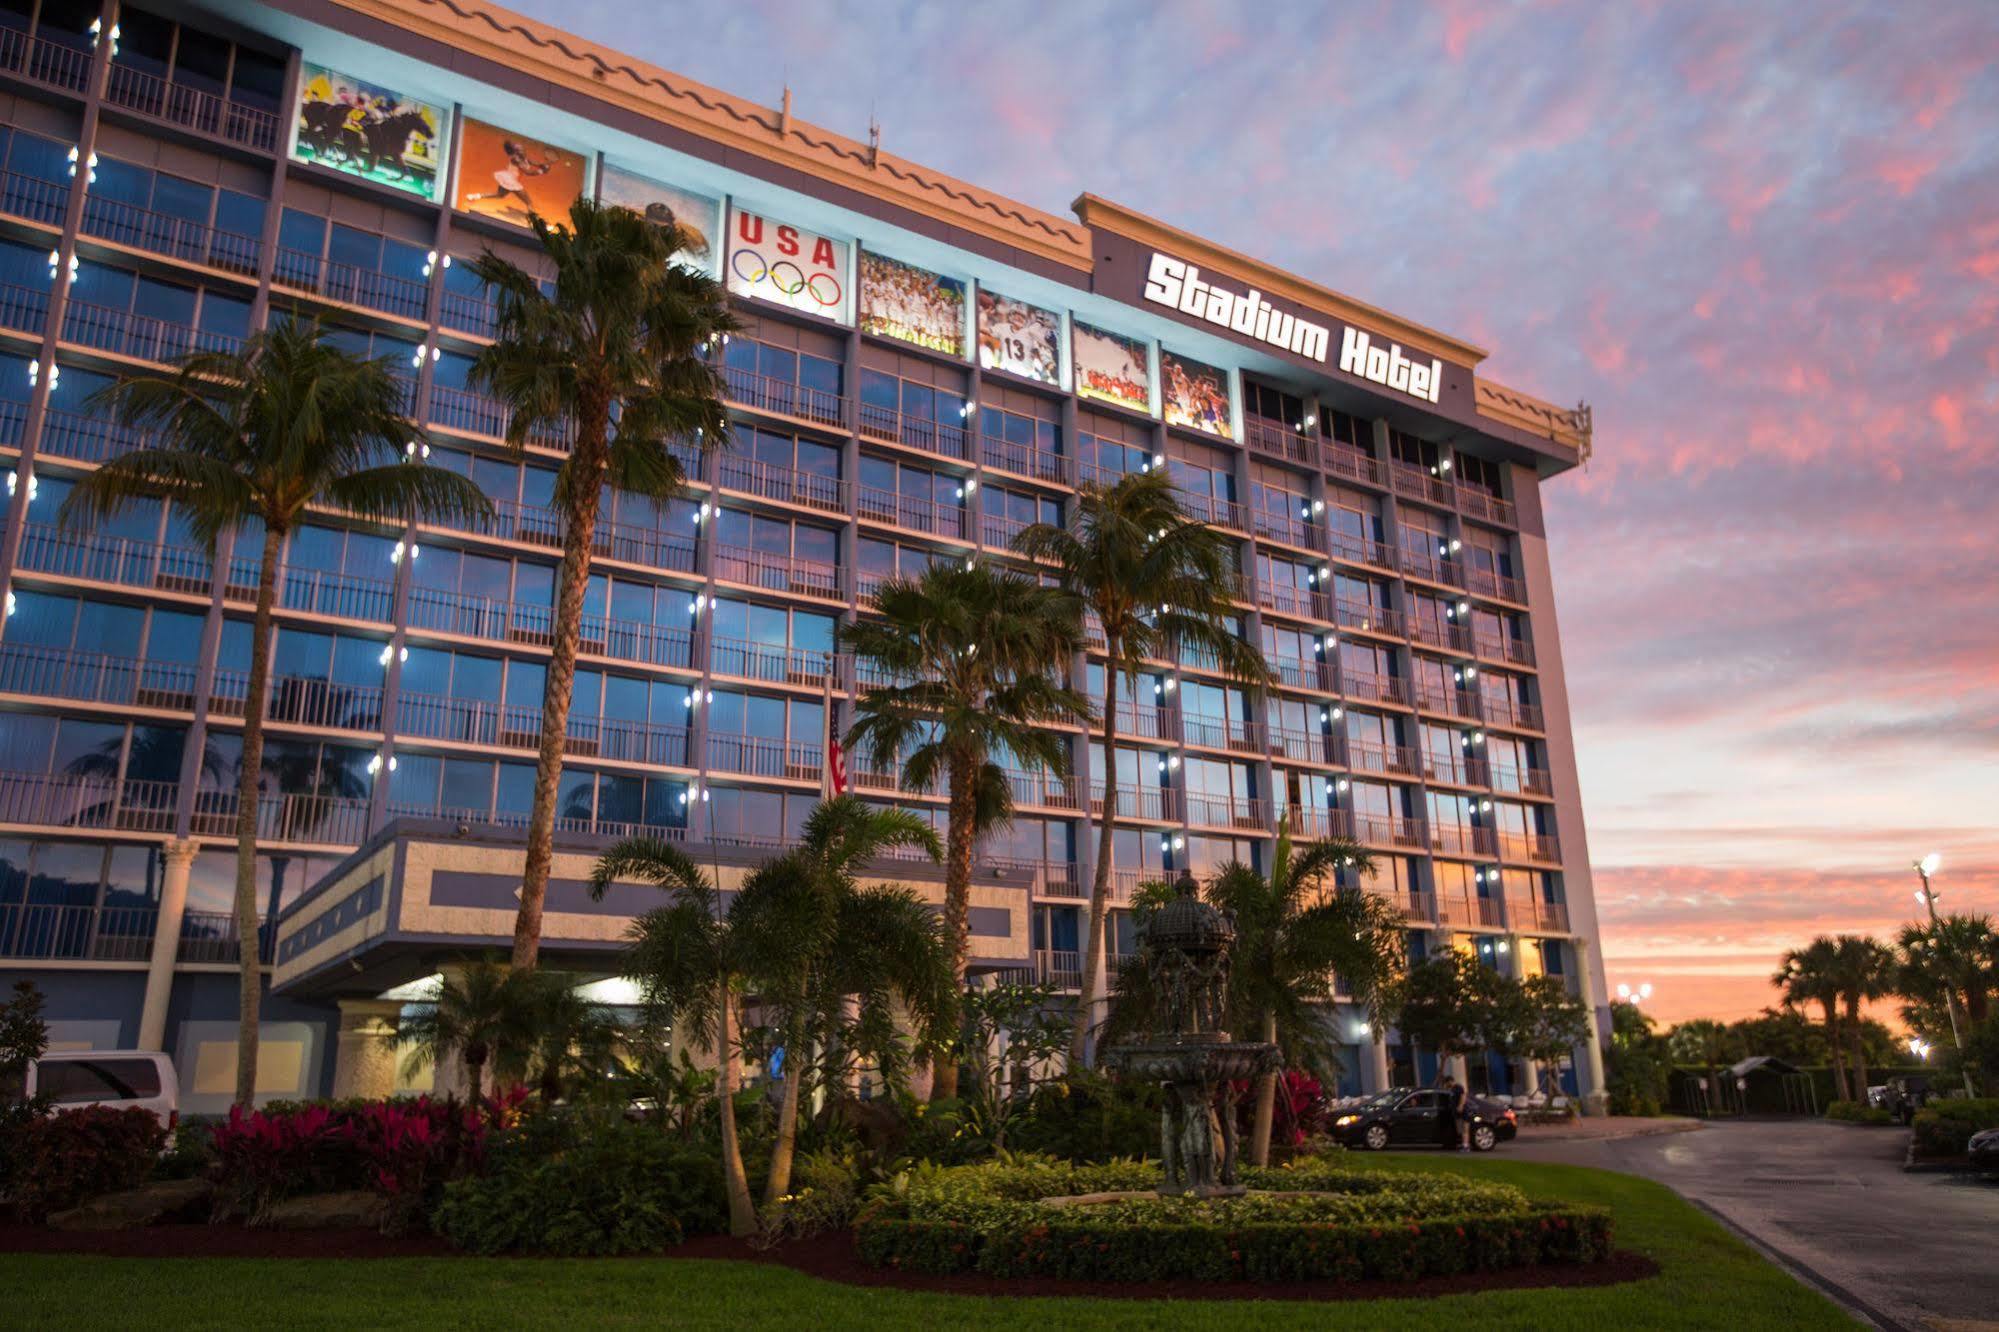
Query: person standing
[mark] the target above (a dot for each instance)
(1460, 1115)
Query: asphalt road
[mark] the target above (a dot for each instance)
(1832, 1199)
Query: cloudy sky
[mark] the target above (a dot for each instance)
(1761, 239)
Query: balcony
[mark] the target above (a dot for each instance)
(1289, 527)
(94, 677)
(508, 726)
(1396, 831)
(534, 525)
(1052, 878)
(1352, 464)
(1415, 905)
(51, 932)
(1236, 734)
(302, 701)
(1533, 913)
(787, 485)
(1368, 618)
(88, 438)
(189, 107)
(1274, 439)
(350, 284)
(1506, 710)
(1453, 769)
(311, 820)
(1530, 847)
(775, 663)
(918, 515)
(47, 549)
(468, 313)
(23, 309)
(1298, 602)
(1242, 813)
(1060, 968)
(211, 937)
(1482, 912)
(1301, 672)
(1311, 822)
(1425, 563)
(1023, 459)
(1503, 647)
(783, 397)
(1421, 483)
(31, 197)
(1161, 804)
(59, 800)
(1369, 687)
(1143, 720)
(107, 219)
(940, 437)
(44, 61)
(1449, 636)
(1298, 745)
(322, 592)
(140, 337)
(759, 756)
(1483, 504)
(1492, 583)
(473, 413)
(1362, 550)
(1451, 702)
(1456, 839)
(1039, 787)
(778, 573)
(1211, 509)
(1388, 760)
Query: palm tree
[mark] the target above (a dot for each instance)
(1704, 1042)
(482, 1012)
(573, 1038)
(1864, 969)
(612, 358)
(256, 436)
(1151, 578)
(690, 957)
(814, 937)
(1958, 957)
(971, 656)
(1807, 976)
(1296, 930)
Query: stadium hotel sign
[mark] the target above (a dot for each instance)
(1179, 286)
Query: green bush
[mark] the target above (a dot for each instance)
(1312, 1220)
(1091, 1118)
(1944, 1128)
(1855, 1112)
(825, 1194)
(579, 1185)
(61, 1160)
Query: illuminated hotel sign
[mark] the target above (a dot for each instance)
(1179, 286)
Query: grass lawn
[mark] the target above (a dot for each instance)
(1708, 1279)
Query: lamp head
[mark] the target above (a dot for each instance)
(1928, 864)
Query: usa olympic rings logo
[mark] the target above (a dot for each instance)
(786, 276)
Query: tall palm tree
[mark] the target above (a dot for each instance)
(815, 937)
(972, 656)
(1297, 929)
(1703, 1042)
(612, 359)
(483, 1013)
(573, 1037)
(1864, 969)
(1808, 976)
(255, 436)
(1958, 956)
(690, 957)
(1151, 578)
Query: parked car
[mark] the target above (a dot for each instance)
(1903, 1096)
(1984, 1149)
(1420, 1117)
(130, 1079)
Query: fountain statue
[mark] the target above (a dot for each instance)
(1184, 947)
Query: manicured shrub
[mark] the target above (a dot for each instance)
(583, 1186)
(61, 1160)
(1090, 1118)
(1944, 1128)
(1857, 1112)
(825, 1194)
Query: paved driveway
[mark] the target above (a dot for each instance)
(1833, 1199)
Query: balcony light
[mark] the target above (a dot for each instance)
(1338, 713)
(1456, 546)
(1342, 785)
(1444, 466)
(1464, 608)
(969, 409)
(396, 555)
(376, 763)
(1930, 863)
(1318, 506)
(700, 600)
(1478, 737)
(1485, 807)
(1172, 683)
(1179, 842)
(1471, 672)
(1324, 716)
(1309, 422)
(969, 562)
(10, 603)
(1165, 844)
(1443, 548)
(1158, 460)
(1503, 947)
(414, 451)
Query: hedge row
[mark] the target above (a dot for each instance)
(1071, 1246)
(1944, 1127)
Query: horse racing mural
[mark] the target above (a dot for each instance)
(369, 131)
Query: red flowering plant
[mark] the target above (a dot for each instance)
(1298, 1113)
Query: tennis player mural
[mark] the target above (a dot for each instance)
(776, 261)
(509, 176)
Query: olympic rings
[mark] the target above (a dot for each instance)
(789, 284)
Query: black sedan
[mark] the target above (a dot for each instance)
(1420, 1117)
(1984, 1149)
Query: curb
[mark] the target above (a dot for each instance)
(1807, 1275)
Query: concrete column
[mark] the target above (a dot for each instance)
(166, 944)
(1377, 1065)
(1595, 1097)
(364, 1055)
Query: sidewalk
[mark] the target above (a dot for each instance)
(1604, 1128)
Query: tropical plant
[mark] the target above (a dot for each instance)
(610, 358)
(1452, 1004)
(1546, 1025)
(573, 1039)
(248, 440)
(1012, 1029)
(482, 1013)
(1708, 1045)
(690, 957)
(1958, 957)
(971, 658)
(658, 1071)
(1636, 1070)
(1863, 969)
(1154, 581)
(818, 944)
(1810, 975)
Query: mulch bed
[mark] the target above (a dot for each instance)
(830, 1257)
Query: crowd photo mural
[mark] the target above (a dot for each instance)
(1019, 338)
(1194, 395)
(776, 261)
(1111, 368)
(369, 131)
(667, 205)
(912, 304)
(511, 177)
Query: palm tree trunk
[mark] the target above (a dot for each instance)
(1266, 1103)
(1838, 1059)
(778, 1183)
(1100, 882)
(959, 835)
(742, 1211)
(249, 966)
(475, 1079)
(1855, 1035)
(579, 531)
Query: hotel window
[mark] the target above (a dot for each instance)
(1355, 521)
(1479, 473)
(1272, 404)
(1405, 448)
(137, 206)
(1422, 537)
(922, 415)
(1032, 839)
(1365, 662)
(346, 263)
(119, 311)
(906, 495)
(1211, 715)
(1277, 509)
(783, 365)
(1208, 855)
(1352, 431)
(1488, 552)
(1008, 513)
(190, 58)
(1108, 448)
(777, 536)
(1024, 433)
(1359, 598)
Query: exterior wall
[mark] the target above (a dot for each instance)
(162, 714)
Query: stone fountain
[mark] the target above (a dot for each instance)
(1184, 948)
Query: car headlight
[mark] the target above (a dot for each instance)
(1346, 1121)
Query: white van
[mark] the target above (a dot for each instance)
(125, 1079)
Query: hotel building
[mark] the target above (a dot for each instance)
(924, 368)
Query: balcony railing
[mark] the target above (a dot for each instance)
(1450, 701)
(783, 397)
(126, 224)
(1419, 482)
(212, 937)
(324, 591)
(941, 437)
(44, 61)
(1274, 439)
(478, 414)
(138, 336)
(1505, 710)
(48, 549)
(1316, 821)
(776, 663)
(1228, 811)
(1427, 564)
(1052, 878)
(302, 701)
(1022, 459)
(350, 283)
(1344, 460)
(1372, 756)
(920, 515)
(1391, 830)
(1212, 509)
(1287, 526)
(1476, 503)
(1373, 688)
(88, 438)
(1362, 550)
(1440, 634)
(469, 313)
(1456, 839)
(1367, 617)
(1059, 968)
(1453, 769)
(1301, 745)
(1533, 913)
(151, 95)
(1133, 801)
(1301, 672)
(1479, 911)
(1299, 602)
(59, 800)
(48, 931)
(23, 309)
(1038, 786)
(313, 820)
(788, 484)
(777, 573)
(94, 677)
(38, 200)
(1415, 904)
(1539, 847)
(1492, 583)
(760, 756)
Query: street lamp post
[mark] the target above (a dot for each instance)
(1924, 868)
